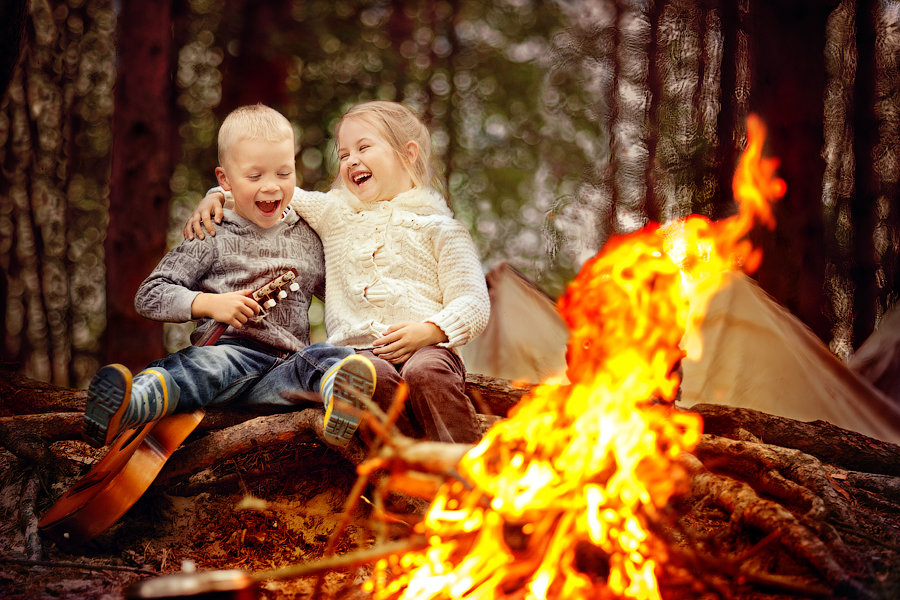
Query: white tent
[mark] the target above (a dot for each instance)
(878, 358)
(525, 338)
(755, 355)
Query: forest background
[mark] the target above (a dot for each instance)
(559, 124)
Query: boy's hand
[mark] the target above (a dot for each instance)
(209, 207)
(233, 308)
(401, 340)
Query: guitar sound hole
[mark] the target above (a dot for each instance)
(88, 482)
(134, 434)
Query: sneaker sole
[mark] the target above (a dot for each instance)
(353, 378)
(106, 404)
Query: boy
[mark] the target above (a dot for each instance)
(212, 280)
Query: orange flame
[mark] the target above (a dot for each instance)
(577, 472)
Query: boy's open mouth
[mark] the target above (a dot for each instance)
(268, 207)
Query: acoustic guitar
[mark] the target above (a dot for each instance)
(136, 457)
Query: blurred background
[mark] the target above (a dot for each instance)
(559, 124)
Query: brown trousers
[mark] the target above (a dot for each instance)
(437, 407)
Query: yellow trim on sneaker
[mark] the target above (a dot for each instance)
(330, 372)
(165, 388)
(328, 413)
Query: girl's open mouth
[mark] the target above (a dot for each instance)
(361, 178)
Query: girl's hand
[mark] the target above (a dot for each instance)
(233, 308)
(209, 207)
(401, 340)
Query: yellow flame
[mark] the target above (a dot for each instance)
(579, 470)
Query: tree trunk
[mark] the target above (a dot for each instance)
(12, 23)
(788, 97)
(142, 162)
(727, 125)
(256, 70)
(863, 206)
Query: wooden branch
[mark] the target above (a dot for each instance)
(24, 396)
(255, 434)
(784, 473)
(439, 458)
(28, 519)
(359, 557)
(790, 584)
(829, 443)
(69, 564)
(493, 396)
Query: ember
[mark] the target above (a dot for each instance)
(558, 499)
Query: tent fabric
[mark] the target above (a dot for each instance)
(525, 338)
(756, 354)
(878, 358)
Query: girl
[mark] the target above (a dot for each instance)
(404, 282)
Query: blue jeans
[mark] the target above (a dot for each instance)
(248, 371)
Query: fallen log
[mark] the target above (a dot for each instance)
(822, 439)
(25, 396)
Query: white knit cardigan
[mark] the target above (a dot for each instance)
(406, 259)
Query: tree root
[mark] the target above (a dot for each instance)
(28, 520)
(787, 474)
(746, 507)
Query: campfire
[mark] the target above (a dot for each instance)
(560, 499)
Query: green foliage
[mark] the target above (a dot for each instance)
(477, 72)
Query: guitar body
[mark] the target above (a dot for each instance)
(114, 484)
(134, 459)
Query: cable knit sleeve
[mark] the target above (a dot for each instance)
(168, 292)
(466, 302)
(312, 206)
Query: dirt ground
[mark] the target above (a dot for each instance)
(256, 525)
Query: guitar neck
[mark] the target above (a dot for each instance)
(211, 335)
(262, 294)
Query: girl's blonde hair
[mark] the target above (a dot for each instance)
(399, 125)
(252, 122)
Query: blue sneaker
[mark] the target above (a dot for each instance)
(349, 380)
(117, 402)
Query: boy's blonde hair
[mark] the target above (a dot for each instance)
(252, 122)
(399, 125)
